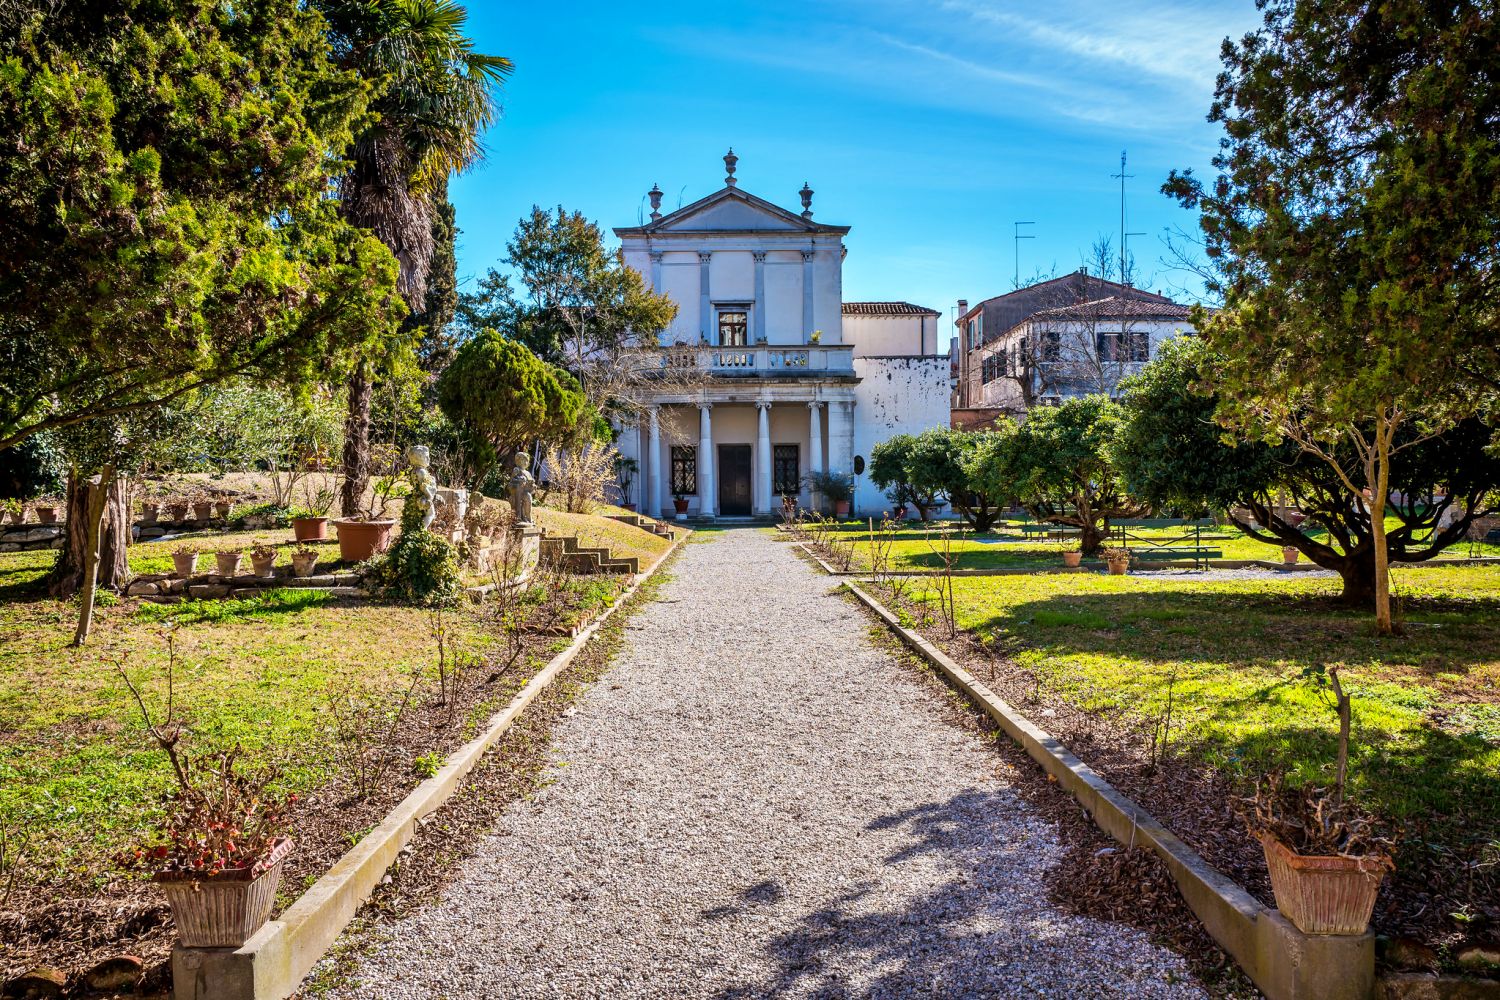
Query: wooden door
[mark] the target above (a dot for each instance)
(734, 480)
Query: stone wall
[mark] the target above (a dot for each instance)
(23, 537)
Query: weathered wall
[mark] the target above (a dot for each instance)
(897, 395)
(889, 336)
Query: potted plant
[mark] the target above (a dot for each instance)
(1117, 560)
(1289, 554)
(46, 510)
(263, 560)
(228, 561)
(12, 508)
(1073, 558)
(680, 504)
(310, 521)
(223, 839)
(222, 509)
(150, 511)
(837, 489)
(362, 538)
(185, 562)
(816, 337)
(304, 561)
(177, 510)
(203, 510)
(1326, 856)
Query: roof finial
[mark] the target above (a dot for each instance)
(729, 161)
(655, 195)
(806, 194)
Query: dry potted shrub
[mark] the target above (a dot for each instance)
(222, 509)
(1289, 554)
(1072, 558)
(263, 560)
(304, 561)
(46, 509)
(177, 509)
(310, 520)
(228, 561)
(222, 841)
(1117, 560)
(364, 537)
(1326, 855)
(184, 561)
(11, 508)
(203, 508)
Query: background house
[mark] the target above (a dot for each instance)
(793, 379)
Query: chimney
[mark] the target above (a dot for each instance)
(963, 307)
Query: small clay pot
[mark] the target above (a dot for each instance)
(310, 529)
(177, 512)
(203, 511)
(150, 512)
(185, 564)
(46, 515)
(1072, 559)
(263, 565)
(229, 563)
(222, 509)
(303, 563)
(1289, 554)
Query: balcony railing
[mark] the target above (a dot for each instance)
(757, 360)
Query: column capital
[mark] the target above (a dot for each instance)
(656, 256)
(807, 256)
(759, 256)
(762, 404)
(704, 256)
(705, 406)
(813, 404)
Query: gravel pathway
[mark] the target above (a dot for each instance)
(757, 802)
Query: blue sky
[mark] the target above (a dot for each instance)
(929, 126)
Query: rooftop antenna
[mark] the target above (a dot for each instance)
(1122, 176)
(1017, 280)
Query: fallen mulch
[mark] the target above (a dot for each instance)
(73, 927)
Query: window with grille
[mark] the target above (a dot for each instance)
(786, 478)
(684, 470)
(1051, 346)
(733, 328)
(1138, 346)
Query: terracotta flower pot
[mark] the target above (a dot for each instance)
(1118, 565)
(46, 515)
(178, 511)
(681, 506)
(226, 910)
(1289, 554)
(150, 512)
(1322, 894)
(303, 563)
(222, 509)
(203, 511)
(185, 563)
(263, 565)
(310, 529)
(1072, 559)
(15, 516)
(229, 563)
(841, 508)
(362, 540)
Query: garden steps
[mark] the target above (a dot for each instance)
(208, 586)
(566, 551)
(658, 528)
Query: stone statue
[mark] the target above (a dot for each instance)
(423, 483)
(522, 485)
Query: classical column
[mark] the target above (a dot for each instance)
(705, 321)
(763, 460)
(653, 463)
(656, 256)
(840, 437)
(814, 445)
(807, 294)
(707, 498)
(759, 308)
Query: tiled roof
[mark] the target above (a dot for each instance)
(886, 309)
(1115, 307)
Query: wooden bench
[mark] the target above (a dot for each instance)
(1048, 530)
(1196, 554)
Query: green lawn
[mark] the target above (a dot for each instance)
(1426, 741)
(913, 547)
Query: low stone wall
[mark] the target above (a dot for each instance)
(24, 537)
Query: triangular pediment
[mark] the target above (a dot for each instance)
(731, 210)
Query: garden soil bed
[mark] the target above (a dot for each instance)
(1412, 916)
(72, 928)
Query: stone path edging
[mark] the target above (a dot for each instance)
(1285, 963)
(273, 963)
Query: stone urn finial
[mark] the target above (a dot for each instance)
(729, 161)
(655, 195)
(806, 194)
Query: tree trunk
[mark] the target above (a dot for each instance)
(1359, 581)
(1379, 476)
(357, 443)
(67, 576)
(1091, 538)
(98, 499)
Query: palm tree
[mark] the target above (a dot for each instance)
(435, 98)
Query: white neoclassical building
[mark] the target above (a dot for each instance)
(790, 378)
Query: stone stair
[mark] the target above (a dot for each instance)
(575, 558)
(166, 588)
(659, 528)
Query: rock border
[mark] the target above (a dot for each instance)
(1282, 961)
(273, 963)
